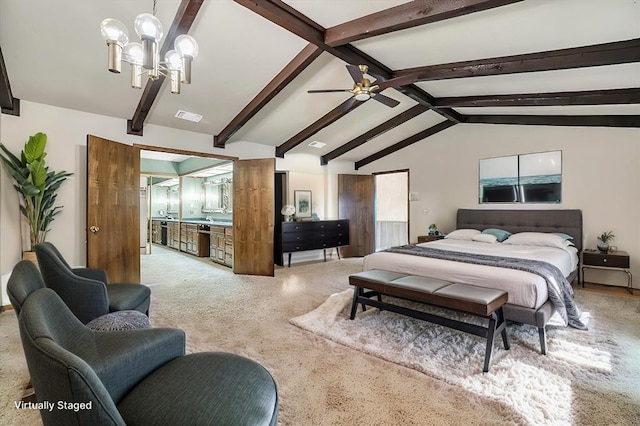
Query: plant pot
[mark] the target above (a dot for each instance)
(602, 246)
(30, 256)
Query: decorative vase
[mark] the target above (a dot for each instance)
(602, 246)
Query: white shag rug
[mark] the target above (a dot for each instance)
(542, 389)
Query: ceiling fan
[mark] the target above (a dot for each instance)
(362, 88)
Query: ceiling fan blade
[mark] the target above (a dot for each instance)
(396, 82)
(355, 72)
(385, 100)
(329, 91)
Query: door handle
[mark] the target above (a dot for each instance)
(94, 229)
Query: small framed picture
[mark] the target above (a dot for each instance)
(302, 201)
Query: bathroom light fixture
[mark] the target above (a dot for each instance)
(144, 56)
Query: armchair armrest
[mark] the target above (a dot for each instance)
(92, 274)
(121, 359)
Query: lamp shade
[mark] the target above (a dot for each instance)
(288, 210)
(148, 26)
(186, 46)
(114, 30)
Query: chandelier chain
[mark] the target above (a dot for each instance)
(155, 7)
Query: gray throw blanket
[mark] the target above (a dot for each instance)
(559, 289)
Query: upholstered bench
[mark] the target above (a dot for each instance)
(480, 301)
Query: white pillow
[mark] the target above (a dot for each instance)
(462, 234)
(485, 238)
(536, 239)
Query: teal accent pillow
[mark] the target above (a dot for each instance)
(500, 234)
(563, 236)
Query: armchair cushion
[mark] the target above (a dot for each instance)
(120, 320)
(128, 296)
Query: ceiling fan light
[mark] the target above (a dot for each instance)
(362, 96)
(148, 26)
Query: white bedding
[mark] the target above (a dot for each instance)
(524, 288)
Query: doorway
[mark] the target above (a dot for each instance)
(181, 190)
(391, 209)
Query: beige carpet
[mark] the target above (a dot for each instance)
(321, 382)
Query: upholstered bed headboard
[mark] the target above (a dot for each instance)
(566, 221)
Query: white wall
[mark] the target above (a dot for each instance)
(600, 176)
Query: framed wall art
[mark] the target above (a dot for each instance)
(302, 202)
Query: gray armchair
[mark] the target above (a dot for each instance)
(135, 377)
(85, 290)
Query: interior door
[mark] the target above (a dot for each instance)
(356, 203)
(113, 209)
(253, 214)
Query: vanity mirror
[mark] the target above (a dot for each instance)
(216, 196)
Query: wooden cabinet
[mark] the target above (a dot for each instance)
(194, 239)
(156, 231)
(221, 244)
(173, 235)
(314, 235)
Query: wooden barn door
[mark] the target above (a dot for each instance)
(113, 209)
(253, 216)
(356, 203)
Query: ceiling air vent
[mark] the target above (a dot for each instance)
(189, 116)
(317, 144)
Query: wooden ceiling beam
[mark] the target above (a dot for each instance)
(590, 97)
(375, 132)
(558, 120)
(619, 52)
(405, 143)
(408, 15)
(288, 18)
(279, 82)
(181, 24)
(333, 115)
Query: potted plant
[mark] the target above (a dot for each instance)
(433, 229)
(603, 240)
(36, 184)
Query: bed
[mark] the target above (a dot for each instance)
(529, 301)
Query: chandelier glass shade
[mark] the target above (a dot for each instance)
(143, 56)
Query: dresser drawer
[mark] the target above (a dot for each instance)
(298, 246)
(610, 260)
(294, 237)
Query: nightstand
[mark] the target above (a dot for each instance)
(427, 238)
(618, 260)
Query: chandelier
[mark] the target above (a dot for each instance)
(144, 56)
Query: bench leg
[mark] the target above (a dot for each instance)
(491, 330)
(505, 337)
(354, 303)
(543, 340)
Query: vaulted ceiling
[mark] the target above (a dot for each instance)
(446, 63)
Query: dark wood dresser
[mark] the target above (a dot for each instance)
(314, 235)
